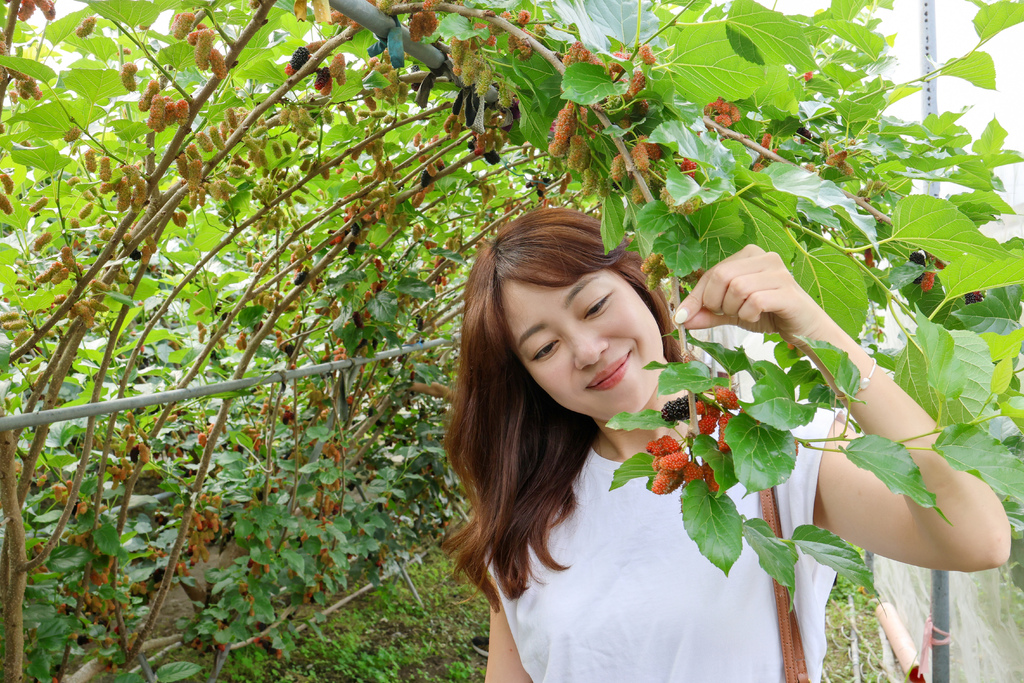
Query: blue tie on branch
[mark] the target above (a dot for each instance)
(392, 43)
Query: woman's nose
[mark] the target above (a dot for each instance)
(588, 350)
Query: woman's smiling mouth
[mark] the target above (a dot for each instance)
(611, 376)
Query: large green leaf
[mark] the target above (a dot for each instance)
(588, 84)
(45, 158)
(29, 67)
(129, 13)
(636, 467)
(677, 377)
(645, 419)
(912, 376)
(844, 371)
(706, 448)
(777, 37)
(832, 551)
(892, 464)
(599, 20)
(714, 524)
(969, 448)
(720, 230)
(705, 66)
(939, 348)
(762, 455)
(862, 38)
(991, 19)
(769, 231)
(177, 671)
(95, 85)
(824, 193)
(732, 360)
(976, 68)
(776, 556)
(991, 139)
(836, 283)
(936, 226)
(976, 272)
(972, 356)
(613, 222)
(67, 559)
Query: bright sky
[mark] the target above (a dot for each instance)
(955, 37)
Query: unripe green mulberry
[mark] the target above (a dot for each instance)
(181, 24)
(15, 325)
(579, 154)
(215, 137)
(72, 134)
(89, 157)
(105, 172)
(217, 64)
(618, 169)
(204, 46)
(157, 108)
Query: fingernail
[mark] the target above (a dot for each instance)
(681, 315)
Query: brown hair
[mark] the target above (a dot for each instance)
(516, 450)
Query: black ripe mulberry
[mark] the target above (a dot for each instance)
(299, 58)
(135, 255)
(492, 157)
(917, 257)
(973, 297)
(300, 278)
(675, 410)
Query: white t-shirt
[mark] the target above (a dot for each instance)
(640, 603)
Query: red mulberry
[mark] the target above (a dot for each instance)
(84, 29)
(673, 462)
(927, 281)
(564, 128)
(688, 167)
(217, 65)
(337, 68)
(636, 83)
(662, 446)
(707, 424)
(692, 471)
(646, 54)
(727, 398)
(665, 483)
(323, 81)
(709, 478)
(204, 46)
(181, 24)
(422, 25)
(618, 169)
(128, 72)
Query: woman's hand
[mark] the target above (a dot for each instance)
(754, 290)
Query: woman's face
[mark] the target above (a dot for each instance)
(586, 344)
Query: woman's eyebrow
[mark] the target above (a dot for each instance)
(576, 289)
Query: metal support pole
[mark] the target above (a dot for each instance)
(940, 579)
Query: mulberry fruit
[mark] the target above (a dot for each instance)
(181, 24)
(323, 81)
(579, 154)
(665, 483)
(707, 424)
(973, 297)
(564, 128)
(673, 462)
(422, 25)
(128, 72)
(524, 18)
(869, 258)
(676, 410)
(917, 257)
(640, 158)
(724, 113)
(692, 471)
(709, 478)
(618, 169)
(726, 398)
(927, 281)
(72, 134)
(5, 204)
(299, 59)
(636, 83)
(204, 47)
(156, 120)
(663, 446)
(646, 55)
(337, 68)
(84, 29)
(8, 182)
(688, 167)
(38, 205)
(217, 65)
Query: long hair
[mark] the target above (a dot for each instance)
(516, 450)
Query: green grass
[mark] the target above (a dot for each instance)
(385, 636)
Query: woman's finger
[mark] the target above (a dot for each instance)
(710, 290)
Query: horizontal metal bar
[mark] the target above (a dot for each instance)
(175, 395)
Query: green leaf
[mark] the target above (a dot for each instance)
(973, 357)
(48, 120)
(824, 193)
(383, 307)
(847, 9)
(457, 26)
(705, 66)
(599, 20)
(645, 419)
(295, 561)
(912, 376)
(613, 222)
(1001, 376)
(843, 370)
(778, 38)
(683, 253)
(415, 288)
(976, 272)
(714, 524)
(177, 671)
(769, 232)
(5, 353)
(832, 551)
(589, 84)
(1000, 346)
(29, 67)
(68, 558)
(636, 467)
(377, 80)
(120, 298)
(250, 315)
(107, 541)
(94, 85)
(836, 283)
(991, 140)
(45, 158)
(892, 464)
(969, 448)
(762, 455)
(991, 19)
(775, 555)
(731, 360)
(863, 39)
(129, 13)
(677, 377)
(129, 678)
(976, 68)
(936, 226)
(937, 343)
(779, 411)
(706, 448)
(998, 312)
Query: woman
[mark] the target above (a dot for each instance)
(589, 584)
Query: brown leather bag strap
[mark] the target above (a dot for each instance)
(793, 659)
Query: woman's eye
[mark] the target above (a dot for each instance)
(597, 307)
(545, 350)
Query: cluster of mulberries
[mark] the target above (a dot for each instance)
(676, 468)
(563, 129)
(688, 167)
(577, 53)
(724, 113)
(323, 83)
(926, 279)
(28, 88)
(655, 269)
(522, 48)
(676, 410)
(151, 91)
(203, 43)
(973, 297)
(128, 72)
(84, 29)
(837, 160)
(422, 24)
(298, 60)
(762, 160)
